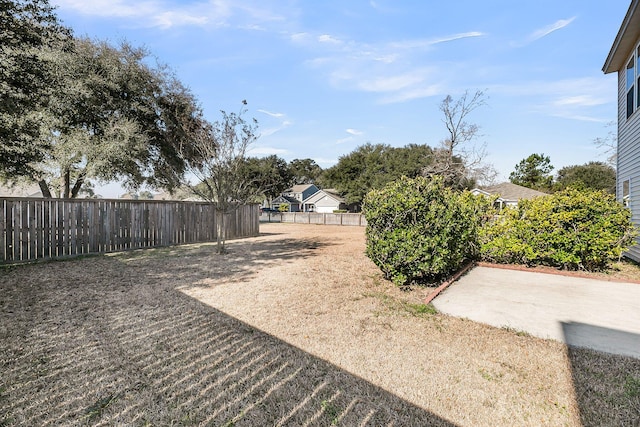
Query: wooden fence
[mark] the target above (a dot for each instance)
(33, 229)
(316, 218)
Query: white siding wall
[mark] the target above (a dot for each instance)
(629, 156)
(327, 205)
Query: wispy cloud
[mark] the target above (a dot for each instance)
(267, 151)
(269, 113)
(577, 99)
(391, 69)
(580, 101)
(326, 38)
(353, 134)
(424, 43)
(544, 31)
(270, 131)
(165, 15)
(279, 121)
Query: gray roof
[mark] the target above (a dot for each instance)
(300, 188)
(512, 192)
(286, 199)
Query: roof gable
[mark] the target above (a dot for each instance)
(625, 40)
(319, 195)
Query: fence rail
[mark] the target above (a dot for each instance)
(33, 229)
(316, 218)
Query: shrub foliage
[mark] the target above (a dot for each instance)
(570, 229)
(418, 230)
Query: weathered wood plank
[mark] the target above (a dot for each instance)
(32, 229)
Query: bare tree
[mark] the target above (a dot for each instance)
(609, 144)
(219, 154)
(458, 159)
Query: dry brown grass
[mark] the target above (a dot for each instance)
(295, 327)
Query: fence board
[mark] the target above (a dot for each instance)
(349, 219)
(32, 229)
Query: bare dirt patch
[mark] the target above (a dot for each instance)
(294, 327)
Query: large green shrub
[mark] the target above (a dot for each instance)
(417, 229)
(570, 229)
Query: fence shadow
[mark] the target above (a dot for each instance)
(91, 341)
(604, 383)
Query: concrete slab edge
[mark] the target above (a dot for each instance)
(446, 284)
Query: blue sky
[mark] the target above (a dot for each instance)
(323, 77)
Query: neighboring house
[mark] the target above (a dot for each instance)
(508, 193)
(624, 59)
(323, 201)
(293, 197)
(21, 191)
(301, 192)
(292, 204)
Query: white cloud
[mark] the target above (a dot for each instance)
(398, 70)
(109, 8)
(325, 162)
(344, 140)
(269, 113)
(173, 19)
(425, 43)
(545, 31)
(270, 131)
(580, 101)
(326, 38)
(392, 83)
(354, 132)
(576, 99)
(267, 151)
(162, 14)
(299, 37)
(414, 93)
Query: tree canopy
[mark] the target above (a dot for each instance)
(533, 172)
(268, 176)
(304, 171)
(593, 175)
(100, 112)
(372, 166)
(30, 37)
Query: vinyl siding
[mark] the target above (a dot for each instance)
(629, 157)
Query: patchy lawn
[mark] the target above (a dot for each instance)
(295, 327)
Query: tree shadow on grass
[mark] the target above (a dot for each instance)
(607, 386)
(194, 264)
(87, 342)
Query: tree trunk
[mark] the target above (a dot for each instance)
(66, 177)
(78, 184)
(221, 232)
(44, 188)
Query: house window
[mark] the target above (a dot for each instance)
(626, 192)
(637, 81)
(631, 77)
